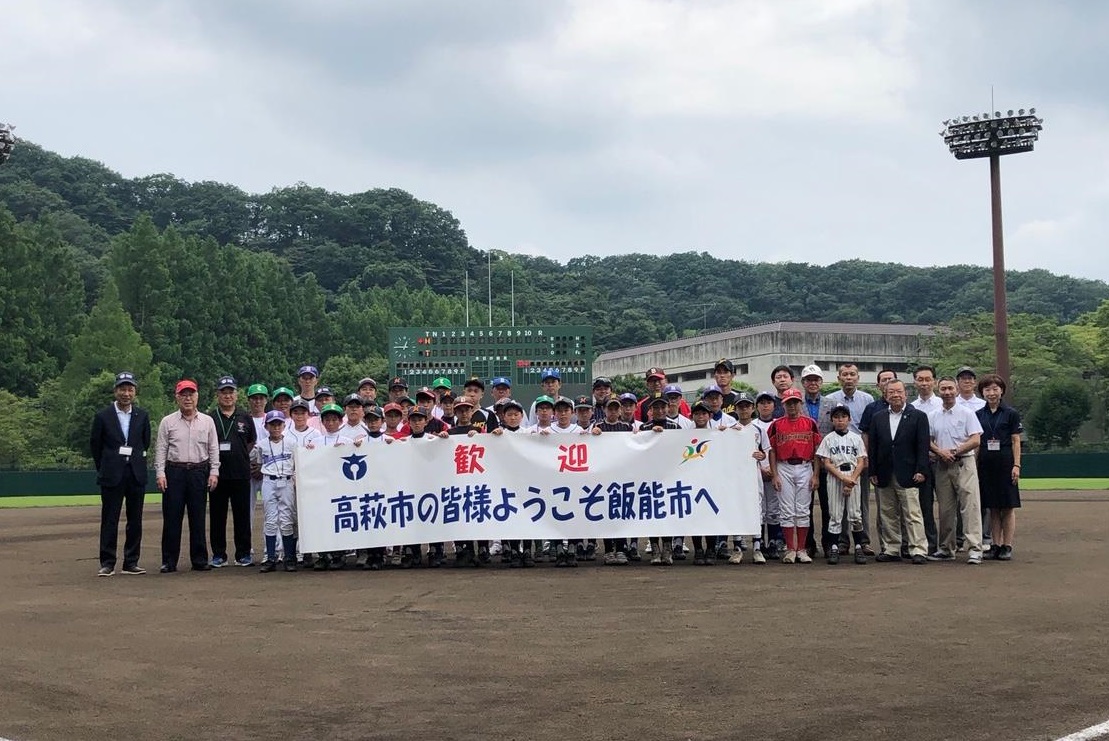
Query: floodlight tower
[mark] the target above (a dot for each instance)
(974, 137)
(7, 142)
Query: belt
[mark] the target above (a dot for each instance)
(846, 467)
(796, 461)
(278, 478)
(186, 466)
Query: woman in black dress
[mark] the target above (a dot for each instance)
(999, 464)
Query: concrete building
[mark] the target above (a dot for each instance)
(759, 348)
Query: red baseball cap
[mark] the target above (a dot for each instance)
(656, 373)
(393, 407)
(791, 393)
(186, 384)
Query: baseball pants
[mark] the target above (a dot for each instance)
(844, 509)
(279, 507)
(957, 492)
(845, 526)
(795, 496)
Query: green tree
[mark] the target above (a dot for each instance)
(109, 342)
(42, 302)
(1063, 405)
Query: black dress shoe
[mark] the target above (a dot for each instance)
(919, 559)
(167, 569)
(886, 557)
(202, 567)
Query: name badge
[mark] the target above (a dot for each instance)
(225, 447)
(993, 445)
(125, 450)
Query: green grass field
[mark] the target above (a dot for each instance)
(84, 500)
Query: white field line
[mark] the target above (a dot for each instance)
(1088, 734)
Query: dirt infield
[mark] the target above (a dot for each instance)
(1015, 650)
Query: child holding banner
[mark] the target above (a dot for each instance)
(616, 549)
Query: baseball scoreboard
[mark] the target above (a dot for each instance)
(421, 354)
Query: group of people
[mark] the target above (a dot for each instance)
(956, 447)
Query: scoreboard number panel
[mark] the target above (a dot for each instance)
(421, 354)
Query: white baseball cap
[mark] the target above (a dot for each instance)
(812, 370)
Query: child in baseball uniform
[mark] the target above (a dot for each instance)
(274, 454)
(795, 471)
(844, 458)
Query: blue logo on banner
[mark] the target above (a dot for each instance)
(355, 467)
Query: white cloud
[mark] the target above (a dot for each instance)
(801, 130)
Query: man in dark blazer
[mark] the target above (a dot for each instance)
(119, 441)
(898, 440)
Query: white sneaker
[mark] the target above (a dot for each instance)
(790, 557)
(757, 557)
(648, 550)
(803, 557)
(495, 548)
(736, 557)
(974, 557)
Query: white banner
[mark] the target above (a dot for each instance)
(546, 487)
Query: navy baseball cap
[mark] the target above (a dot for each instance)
(501, 381)
(125, 377)
(324, 391)
(628, 396)
(672, 389)
(226, 382)
(275, 416)
(512, 404)
(744, 397)
(353, 399)
(712, 388)
(550, 373)
(300, 404)
(310, 369)
(766, 395)
(840, 408)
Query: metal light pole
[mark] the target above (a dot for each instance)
(7, 142)
(974, 137)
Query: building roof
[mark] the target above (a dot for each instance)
(765, 327)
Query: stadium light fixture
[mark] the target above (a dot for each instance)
(993, 137)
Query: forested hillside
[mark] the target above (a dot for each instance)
(174, 278)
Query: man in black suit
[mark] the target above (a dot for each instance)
(898, 441)
(119, 441)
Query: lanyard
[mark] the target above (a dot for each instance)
(226, 429)
(991, 418)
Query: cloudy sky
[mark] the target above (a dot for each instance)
(764, 130)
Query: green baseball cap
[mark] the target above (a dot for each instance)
(286, 391)
(257, 389)
(442, 382)
(544, 400)
(331, 408)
